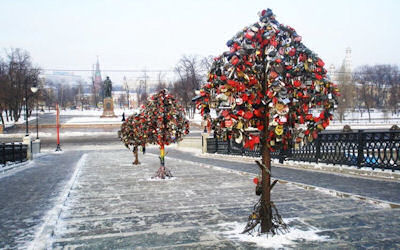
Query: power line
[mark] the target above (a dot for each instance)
(112, 70)
(171, 70)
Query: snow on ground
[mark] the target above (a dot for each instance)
(43, 234)
(94, 120)
(96, 112)
(13, 168)
(278, 241)
(62, 134)
(185, 149)
(197, 118)
(159, 179)
(20, 121)
(376, 114)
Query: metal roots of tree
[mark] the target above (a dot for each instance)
(271, 213)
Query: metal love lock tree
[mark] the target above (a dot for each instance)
(166, 124)
(133, 133)
(270, 91)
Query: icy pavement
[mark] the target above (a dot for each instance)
(114, 205)
(27, 192)
(384, 190)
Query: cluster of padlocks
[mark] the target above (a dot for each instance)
(133, 131)
(161, 121)
(166, 121)
(268, 77)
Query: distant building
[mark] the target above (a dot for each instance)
(344, 71)
(97, 81)
(347, 61)
(332, 73)
(121, 97)
(63, 77)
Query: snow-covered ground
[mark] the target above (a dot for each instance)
(379, 120)
(62, 134)
(109, 203)
(94, 120)
(20, 121)
(96, 112)
(279, 241)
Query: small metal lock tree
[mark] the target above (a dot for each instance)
(270, 91)
(166, 124)
(133, 134)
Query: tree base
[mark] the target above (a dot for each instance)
(136, 163)
(163, 173)
(254, 222)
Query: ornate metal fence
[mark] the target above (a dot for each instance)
(375, 149)
(12, 152)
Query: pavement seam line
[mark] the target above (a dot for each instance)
(386, 204)
(43, 236)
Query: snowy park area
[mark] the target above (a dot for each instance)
(117, 205)
(379, 120)
(106, 202)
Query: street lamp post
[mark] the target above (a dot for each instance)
(26, 108)
(34, 89)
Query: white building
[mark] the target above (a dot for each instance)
(345, 68)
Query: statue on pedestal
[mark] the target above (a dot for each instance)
(107, 87)
(108, 104)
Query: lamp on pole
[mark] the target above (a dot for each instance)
(34, 89)
(26, 107)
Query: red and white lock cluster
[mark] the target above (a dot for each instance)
(160, 121)
(268, 73)
(166, 121)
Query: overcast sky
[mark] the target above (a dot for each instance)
(133, 34)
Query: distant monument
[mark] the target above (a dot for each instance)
(108, 104)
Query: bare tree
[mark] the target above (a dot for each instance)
(161, 84)
(207, 62)
(190, 73)
(19, 76)
(378, 86)
(5, 86)
(394, 96)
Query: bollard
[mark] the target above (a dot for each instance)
(35, 147)
(28, 142)
(204, 137)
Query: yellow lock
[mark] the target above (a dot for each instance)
(239, 125)
(279, 130)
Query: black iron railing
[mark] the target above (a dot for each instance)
(12, 152)
(375, 149)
